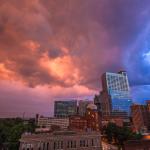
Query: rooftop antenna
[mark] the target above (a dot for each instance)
(23, 115)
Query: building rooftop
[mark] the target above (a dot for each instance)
(58, 134)
(92, 106)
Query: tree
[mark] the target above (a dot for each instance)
(119, 134)
(11, 131)
(123, 134)
(136, 136)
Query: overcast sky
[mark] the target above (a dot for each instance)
(59, 48)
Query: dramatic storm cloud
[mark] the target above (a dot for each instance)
(51, 49)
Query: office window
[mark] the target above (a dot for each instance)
(61, 144)
(54, 145)
(68, 144)
(82, 143)
(87, 143)
(71, 144)
(43, 146)
(47, 146)
(92, 142)
(74, 144)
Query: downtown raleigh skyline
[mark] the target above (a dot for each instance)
(73, 119)
(114, 99)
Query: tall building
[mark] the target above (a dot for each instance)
(97, 102)
(148, 109)
(115, 96)
(148, 105)
(63, 109)
(83, 106)
(140, 117)
(61, 140)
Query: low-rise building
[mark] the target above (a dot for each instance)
(90, 122)
(62, 140)
(47, 122)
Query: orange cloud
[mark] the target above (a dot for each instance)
(31, 45)
(62, 68)
(5, 73)
(65, 50)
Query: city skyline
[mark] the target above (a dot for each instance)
(52, 49)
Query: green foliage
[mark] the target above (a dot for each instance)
(136, 136)
(119, 135)
(11, 130)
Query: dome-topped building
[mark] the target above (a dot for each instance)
(93, 118)
(92, 107)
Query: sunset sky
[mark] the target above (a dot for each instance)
(59, 49)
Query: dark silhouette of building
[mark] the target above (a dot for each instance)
(98, 102)
(142, 144)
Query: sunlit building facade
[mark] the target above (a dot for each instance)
(93, 118)
(140, 117)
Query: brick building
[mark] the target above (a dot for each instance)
(140, 117)
(93, 118)
(78, 123)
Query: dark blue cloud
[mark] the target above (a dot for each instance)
(137, 59)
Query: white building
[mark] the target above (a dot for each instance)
(47, 122)
(62, 140)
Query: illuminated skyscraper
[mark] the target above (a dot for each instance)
(115, 97)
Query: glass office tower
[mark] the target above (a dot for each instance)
(63, 109)
(117, 92)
